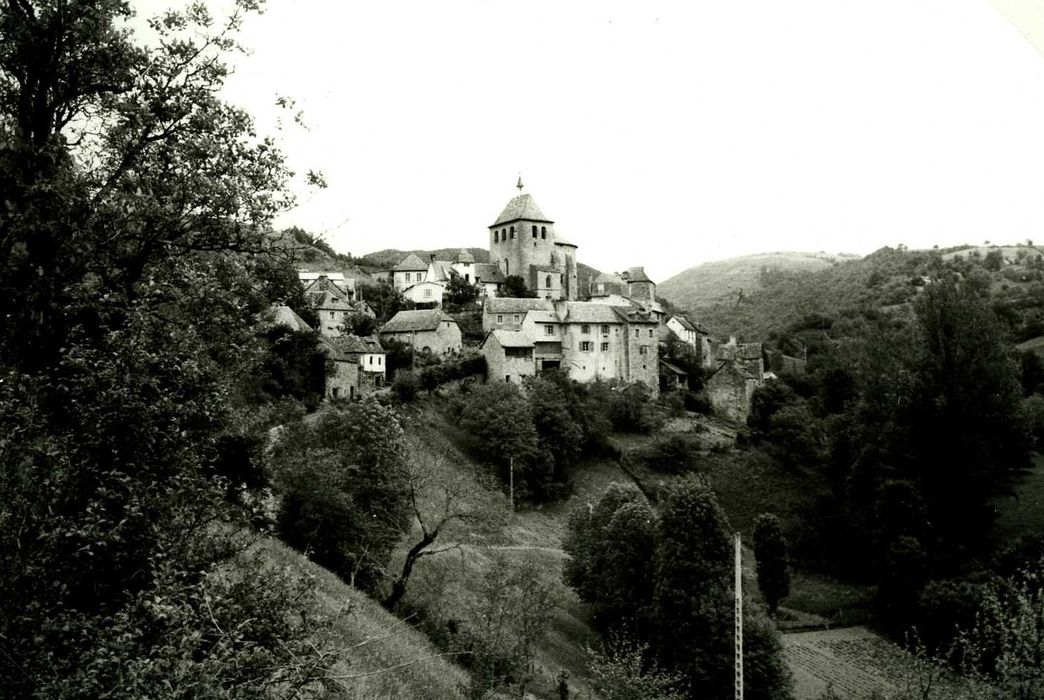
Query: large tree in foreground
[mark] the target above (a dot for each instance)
(132, 203)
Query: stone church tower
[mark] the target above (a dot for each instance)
(523, 242)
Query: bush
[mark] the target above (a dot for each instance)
(630, 410)
(674, 454)
(697, 402)
(406, 386)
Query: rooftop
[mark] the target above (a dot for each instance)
(512, 339)
(521, 207)
(285, 316)
(514, 305)
(489, 272)
(408, 321)
(411, 262)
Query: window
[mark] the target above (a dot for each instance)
(507, 378)
(605, 347)
(512, 231)
(496, 236)
(500, 318)
(549, 329)
(585, 329)
(650, 332)
(503, 234)
(605, 330)
(507, 267)
(547, 282)
(635, 332)
(332, 314)
(427, 292)
(380, 360)
(586, 345)
(534, 232)
(517, 318)
(371, 359)
(543, 231)
(643, 350)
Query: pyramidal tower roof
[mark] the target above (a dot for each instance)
(522, 207)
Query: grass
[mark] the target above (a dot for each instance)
(1022, 515)
(381, 656)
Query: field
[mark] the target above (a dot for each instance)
(1023, 513)
(379, 656)
(857, 664)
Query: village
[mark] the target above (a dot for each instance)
(613, 329)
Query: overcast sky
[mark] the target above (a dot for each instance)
(662, 134)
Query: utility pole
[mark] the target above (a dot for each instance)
(511, 482)
(739, 622)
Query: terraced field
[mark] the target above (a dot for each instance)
(860, 665)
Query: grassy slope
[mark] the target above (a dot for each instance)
(447, 584)
(382, 657)
(720, 282)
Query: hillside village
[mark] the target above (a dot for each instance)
(615, 329)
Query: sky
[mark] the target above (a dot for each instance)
(662, 134)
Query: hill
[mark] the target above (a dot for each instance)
(379, 655)
(308, 252)
(723, 281)
(783, 299)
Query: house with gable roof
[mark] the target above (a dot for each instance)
(358, 366)
(693, 335)
(431, 330)
(408, 272)
(586, 341)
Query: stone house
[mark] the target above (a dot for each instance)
(730, 390)
(332, 311)
(508, 313)
(357, 366)
(431, 331)
(693, 335)
(586, 341)
(339, 286)
(408, 272)
(740, 371)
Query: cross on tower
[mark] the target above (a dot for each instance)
(519, 185)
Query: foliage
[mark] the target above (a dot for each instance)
(293, 366)
(622, 670)
(630, 410)
(682, 606)
(133, 267)
(360, 324)
(509, 618)
(515, 287)
(770, 556)
(384, 299)
(406, 386)
(460, 292)
(673, 454)
(344, 491)
(497, 418)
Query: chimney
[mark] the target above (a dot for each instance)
(732, 340)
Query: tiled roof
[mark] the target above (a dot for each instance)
(542, 316)
(521, 207)
(561, 241)
(512, 339)
(514, 305)
(332, 302)
(285, 316)
(442, 270)
(587, 312)
(465, 256)
(489, 272)
(312, 275)
(636, 274)
(685, 323)
(407, 321)
(411, 262)
(346, 348)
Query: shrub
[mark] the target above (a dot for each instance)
(406, 386)
(630, 410)
(673, 454)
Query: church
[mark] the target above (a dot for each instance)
(523, 242)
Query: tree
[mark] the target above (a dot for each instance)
(359, 324)
(134, 207)
(497, 418)
(436, 502)
(384, 299)
(770, 556)
(559, 435)
(514, 286)
(460, 292)
(345, 490)
(622, 670)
